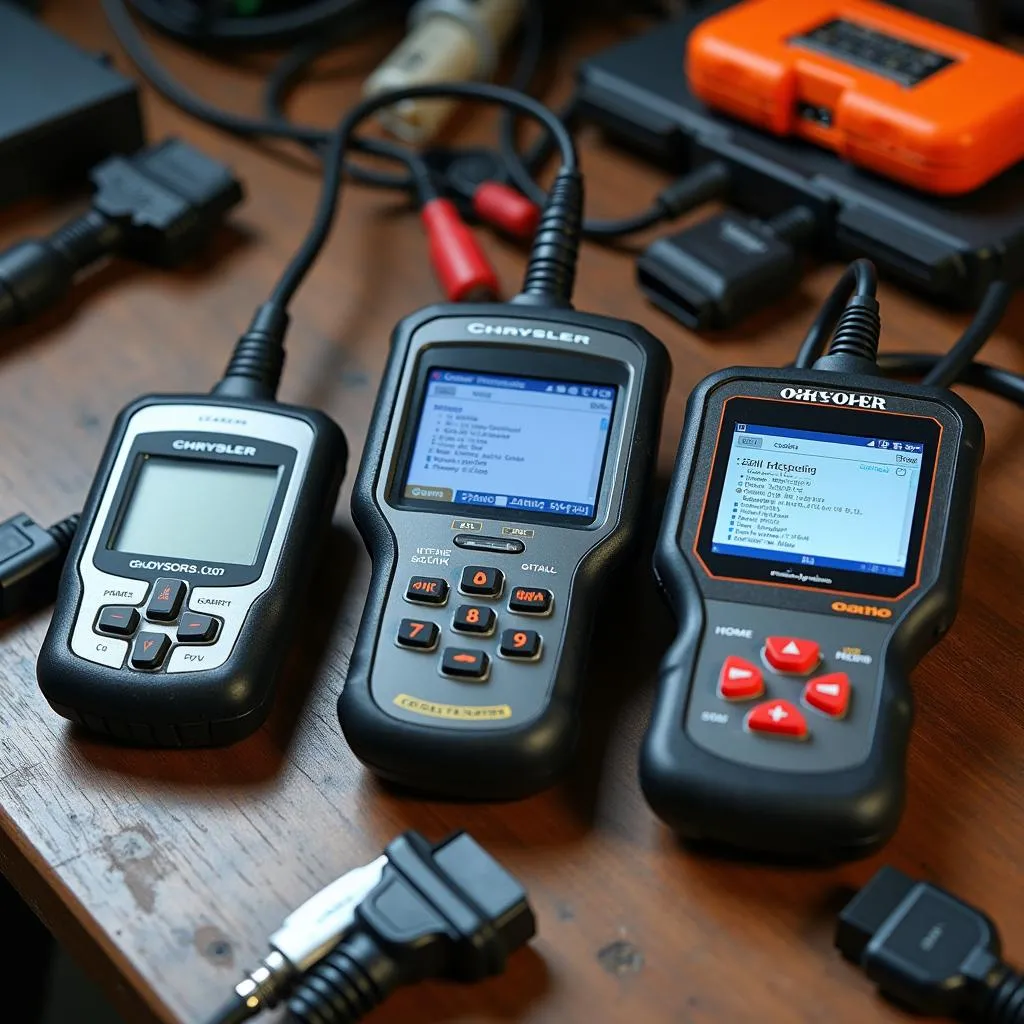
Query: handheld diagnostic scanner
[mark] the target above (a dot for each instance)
(812, 548)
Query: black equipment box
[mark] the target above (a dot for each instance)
(948, 248)
(63, 112)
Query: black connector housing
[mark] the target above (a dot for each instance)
(929, 951)
(712, 275)
(168, 199)
(31, 559)
(458, 908)
(50, 137)
(439, 911)
(158, 206)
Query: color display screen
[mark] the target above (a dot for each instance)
(518, 443)
(819, 499)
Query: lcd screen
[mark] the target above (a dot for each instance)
(207, 511)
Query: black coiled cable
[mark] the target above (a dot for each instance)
(1007, 1005)
(353, 979)
(552, 268)
(858, 329)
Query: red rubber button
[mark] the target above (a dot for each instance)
(790, 654)
(740, 680)
(830, 694)
(779, 718)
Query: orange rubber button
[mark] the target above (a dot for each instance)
(481, 580)
(427, 590)
(531, 600)
(457, 661)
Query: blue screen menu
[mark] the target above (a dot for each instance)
(835, 500)
(517, 443)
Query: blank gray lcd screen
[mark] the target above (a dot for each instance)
(207, 511)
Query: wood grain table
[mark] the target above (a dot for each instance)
(164, 871)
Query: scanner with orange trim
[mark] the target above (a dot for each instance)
(923, 104)
(812, 548)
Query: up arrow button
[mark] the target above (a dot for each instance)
(791, 654)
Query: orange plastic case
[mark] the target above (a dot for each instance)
(923, 104)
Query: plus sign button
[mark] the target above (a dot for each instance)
(778, 718)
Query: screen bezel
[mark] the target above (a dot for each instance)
(161, 445)
(863, 423)
(508, 361)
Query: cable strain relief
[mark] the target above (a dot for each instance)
(796, 225)
(34, 276)
(551, 272)
(63, 532)
(87, 239)
(1007, 1003)
(258, 359)
(346, 985)
(701, 185)
(858, 329)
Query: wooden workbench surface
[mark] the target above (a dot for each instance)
(165, 871)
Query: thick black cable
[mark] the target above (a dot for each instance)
(256, 363)
(859, 279)
(521, 167)
(990, 311)
(335, 150)
(289, 71)
(994, 379)
(195, 24)
(173, 91)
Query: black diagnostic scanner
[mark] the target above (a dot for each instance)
(180, 592)
(812, 548)
(503, 478)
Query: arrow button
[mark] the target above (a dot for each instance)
(829, 694)
(791, 654)
(778, 718)
(740, 680)
(117, 620)
(149, 650)
(166, 600)
(197, 629)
